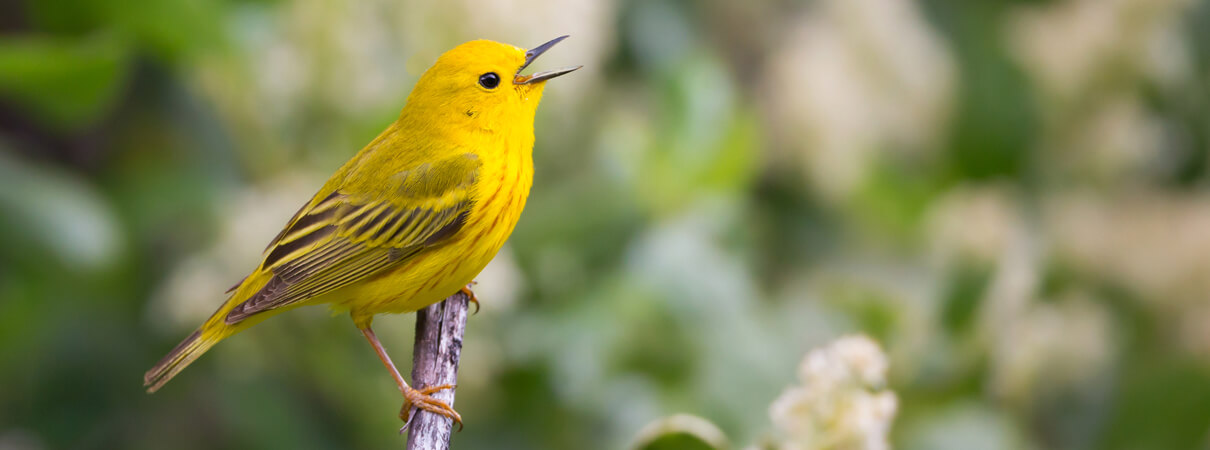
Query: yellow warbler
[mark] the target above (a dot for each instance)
(409, 220)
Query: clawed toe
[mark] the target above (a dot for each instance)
(422, 399)
(435, 389)
(471, 295)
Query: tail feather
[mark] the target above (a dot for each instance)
(210, 333)
(176, 360)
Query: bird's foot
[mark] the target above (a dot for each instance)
(422, 399)
(471, 295)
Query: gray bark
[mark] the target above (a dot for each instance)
(439, 329)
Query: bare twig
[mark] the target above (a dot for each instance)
(439, 329)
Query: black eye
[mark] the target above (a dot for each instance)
(489, 80)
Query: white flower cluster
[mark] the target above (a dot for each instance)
(842, 402)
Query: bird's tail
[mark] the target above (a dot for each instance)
(179, 358)
(214, 330)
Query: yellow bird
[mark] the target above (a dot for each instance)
(409, 220)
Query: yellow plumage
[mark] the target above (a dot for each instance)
(413, 217)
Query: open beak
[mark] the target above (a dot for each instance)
(533, 54)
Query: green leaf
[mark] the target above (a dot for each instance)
(681, 432)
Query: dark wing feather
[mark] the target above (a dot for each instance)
(343, 239)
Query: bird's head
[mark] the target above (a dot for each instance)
(479, 83)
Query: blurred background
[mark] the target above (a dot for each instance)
(1010, 197)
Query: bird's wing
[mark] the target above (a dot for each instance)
(346, 237)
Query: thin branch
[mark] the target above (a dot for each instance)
(439, 329)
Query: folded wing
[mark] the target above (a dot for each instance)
(350, 235)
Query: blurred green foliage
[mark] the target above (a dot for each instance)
(1010, 196)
